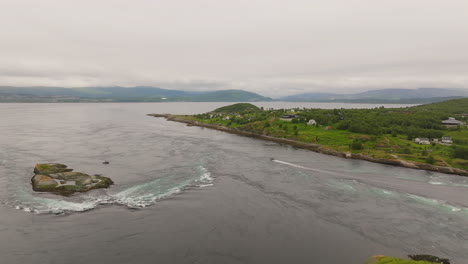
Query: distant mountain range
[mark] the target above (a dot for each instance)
(121, 94)
(421, 95)
(155, 94)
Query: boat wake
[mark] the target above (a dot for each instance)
(134, 196)
(303, 167)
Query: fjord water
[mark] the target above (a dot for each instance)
(193, 195)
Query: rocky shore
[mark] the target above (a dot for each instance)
(317, 148)
(59, 179)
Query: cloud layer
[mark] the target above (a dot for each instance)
(267, 46)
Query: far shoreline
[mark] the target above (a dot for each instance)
(317, 147)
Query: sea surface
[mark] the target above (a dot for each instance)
(193, 195)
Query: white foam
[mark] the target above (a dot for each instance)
(136, 196)
(435, 202)
(205, 185)
(205, 178)
(140, 201)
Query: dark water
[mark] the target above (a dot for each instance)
(193, 195)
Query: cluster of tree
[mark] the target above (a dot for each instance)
(421, 121)
(460, 152)
(379, 121)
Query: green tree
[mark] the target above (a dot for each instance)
(356, 145)
(430, 159)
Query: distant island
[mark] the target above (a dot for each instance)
(10, 94)
(430, 137)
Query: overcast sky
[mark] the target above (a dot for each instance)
(271, 47)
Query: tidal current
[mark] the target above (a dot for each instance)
(193, 195)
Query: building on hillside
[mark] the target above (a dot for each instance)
(312, 122)
(451, 121)
(447, 140)
(422, 141)
(328, 128)
(289, 116)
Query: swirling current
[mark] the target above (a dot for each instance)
(193, 195)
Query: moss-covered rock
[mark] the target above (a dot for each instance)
(57, 178)
(43, 183)
(43, 180)
(49, 168)
(380, 259)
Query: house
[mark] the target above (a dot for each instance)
(422, 141)
(312, 122)
(289, 116)
(447, 140)
(451, 121)
(328, 128)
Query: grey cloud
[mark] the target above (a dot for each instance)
(268, 46)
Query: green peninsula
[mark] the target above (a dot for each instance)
(432, 136)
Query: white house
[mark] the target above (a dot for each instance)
(312, 122)
(447, 140)
(422, 141)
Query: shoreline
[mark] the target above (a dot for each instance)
(317, 148)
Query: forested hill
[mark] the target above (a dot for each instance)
(121, 94)
(456, 106)
(405, 96)
(237, 108)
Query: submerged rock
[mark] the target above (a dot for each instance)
(429, 258)
(57, 178)
(415, 259)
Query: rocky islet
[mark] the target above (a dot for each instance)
(59, 179)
